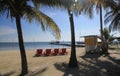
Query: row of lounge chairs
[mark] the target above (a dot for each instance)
(50, 52)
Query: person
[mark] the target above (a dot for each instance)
(104, 47)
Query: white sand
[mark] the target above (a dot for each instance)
(89, 65)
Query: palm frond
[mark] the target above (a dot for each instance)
(86, 8)
(113, 16)
(110, 4)
(46, 22)
(108, 17)
(3, 7)
(22, 8)
(108, 13)
(30, 15)
(52, 3)
(115, 23)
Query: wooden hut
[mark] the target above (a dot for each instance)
(90, 42)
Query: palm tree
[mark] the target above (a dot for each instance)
(69, 5)
(113, 16)
(99, 4)
(108, 37)
(17, 9)
(106, 4)
(73, 60)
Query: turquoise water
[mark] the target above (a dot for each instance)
(30, 45)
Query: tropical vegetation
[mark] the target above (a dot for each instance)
(108, 37)
(113, 16)
(99, 5)
(19, 9)
(112, 8)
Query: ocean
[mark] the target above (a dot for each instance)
(30, 45)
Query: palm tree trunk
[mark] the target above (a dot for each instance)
(73, 60)
(22, 49)
(101, 24)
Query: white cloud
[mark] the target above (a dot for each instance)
(6, 30)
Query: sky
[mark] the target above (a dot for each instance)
(32, 32)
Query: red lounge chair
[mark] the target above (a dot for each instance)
(63, 51)
(38, 52)
(48, 52)
(56, 51)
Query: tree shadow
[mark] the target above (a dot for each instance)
(106, 67)
(91, 56)
(67, 71)
(117, 65)
(112, 48)
(114, 53)
(82, 70)
(117, 61)
(72, 71)
(8, 73)
(37, 72)
(61, 66)
(91, 66)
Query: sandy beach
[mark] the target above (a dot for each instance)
(89, 65)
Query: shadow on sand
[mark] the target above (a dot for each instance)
(91, 65)
(8, 73)
(67, 71)
(37, 72)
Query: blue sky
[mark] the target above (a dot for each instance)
(32, 32)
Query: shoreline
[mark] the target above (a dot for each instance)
(33, 45)
(64, 44)
(31, 49)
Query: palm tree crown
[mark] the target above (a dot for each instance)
(23, 8)
(89, 10)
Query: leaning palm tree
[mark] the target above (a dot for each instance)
(18, 9)
(67, 4)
